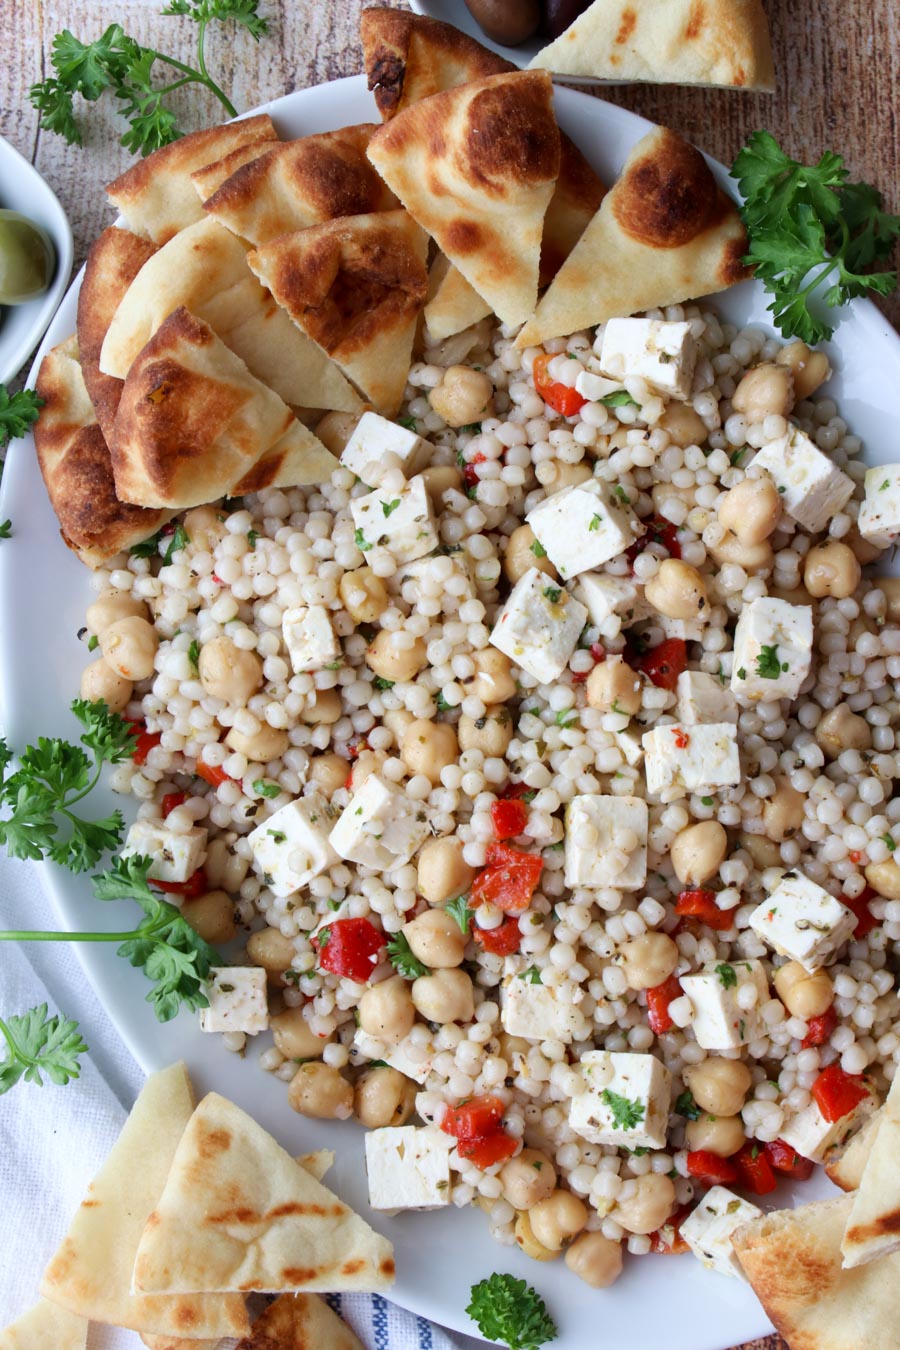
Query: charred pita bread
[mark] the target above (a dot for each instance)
(665, 233)
(302, 183)
(238, 1214)
(210, 178)
(178, 1343)
(46, 1327)
(845, 1163)
(91, 1272)
(300, 1322)
(873, 1227)
(453, 304)
(194, 424)
(156, 195)
(77, 469)
(318, 1163)
(356, 286)
(708, 42)
(792, 1258)
(476, 167)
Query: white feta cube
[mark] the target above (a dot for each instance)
(625, 1100)
(660, 353)
(237, 1000)
(689, 630)
(812, 1135)
(691, 758)
(603, 596)
(879, 515)
(772, 650)
(411, 1058)
(803, 921)
(704, 698)
(373, 438)
(539, 1012)
(173, 857)
(408, 1167)
(291, 846)
(606, 842)
(709, 1228)
(380, 827)
(583, 526)
(719, 1022)
(812, 488)
(631, 747)
(594, 387)
(310, 638)
(538, 626)
(402, 522)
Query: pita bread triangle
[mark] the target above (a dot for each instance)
(476, 166)
(300, 1322)
(664, 233)
(238, 1213)
(210, 178)
(90, 1274)
(707, 42)
(46, 1327)
(873, 1226)
(178, 1343)
(846, 1162)
(454, 304)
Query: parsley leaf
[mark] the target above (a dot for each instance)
(531, 976)
(727, 975)
(361, 541)
(509, 1310)
(686, 1106)
(388, 508)
(401, 958)
(626, 1113)
(5, 529)
(180, 539)
(552, 593)
(538, 549)
(381, 683)
(566, 718)
(265, 789)
(147, 548)
(39, 1044)
(17, 413)
(619, 399)
(768, 665)
(194, 655)
(459, 910)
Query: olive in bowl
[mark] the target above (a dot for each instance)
(507, 21)
(560, 15)
(27, 259)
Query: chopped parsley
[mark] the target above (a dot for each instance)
(252, 536)
(6, 533)
(726, 974)
(620, 398)
(566, 718)
(552, 593)
(265, 789)
(889, 841)
(381, 683)
(626, 1113)
(706, 801)
(686, 1106)
(93, 642)
(408, 422)
(180, 539)
(538, 549)
(278, 835)
(441, 702)
(458, 909)
(768, 664)
(361, 541)
(531, 976)
(736, 456)
(194, 655)
(509, 1310)
(402, 958)
(595, 523)
(742, 673)
(389, 508)
(619, 491)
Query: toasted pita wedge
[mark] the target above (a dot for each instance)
(210, 178)
(91, 1272)
(156, 195)
(178, 1343)
(356, 287)
(238, 1213)
(476, 167)
(77, 469)
(846, 1162)
(318, 1163)
(48, 1327)
(665, 233)
(300, 1322)
(708, 42)
(302, 183)
(453, 304)
(792, 1258)
(873, 1227)
(194, 424)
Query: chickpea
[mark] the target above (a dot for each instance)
(766, 390)
(831, 569)
(441, 478)
(384, 1097)
(396, 721)
(520, 555)
(803, 994)
(751, 510)
(320, 1090)
(684, 426)
(335, 429)
(752, 557)
(444, 997)
(678, 590)
(719, 1086)
(294, 1037)
(100, 682)
(391, 662)
(386, 1011)
(228, 672)
(212, 916)
(443, 873)
(129, 647)
(273, 951)
(366, 763)
(570, 475)
(324, 710)
(648, 960)
(763, 852)
(698, 852)
(556, 1220)
(646, 1207)
(890, 589)
(528, 1243)
(261, 746)
(462, 397)
(225, 870)
(328, 772)
(491, 733)
(723, 1135)
(884, 877)
(204, 526)
(595, 1259)
(614, 686)
(840, 729)
(783, 813)
(528, 1178)
(810, 369)
(492, 682)
(436, 938)
(110, 607)
(428, 748)
(794, 595)
(363, 595)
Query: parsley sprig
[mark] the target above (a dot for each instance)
(37, 1044)
(17, 413)
(402, 959)
(509, 1310)
(627, 1113)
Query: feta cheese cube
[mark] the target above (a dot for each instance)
(291, 846)
(403, 523)
(237, 1000)
(538, 626)
(411, 1058)
(803, 921)
(603, 596)
(704, 698)
(606, 842)
(408, 1167)
(812, 1135)
(373, 438)
(691, 758)
(772, 650)
(709, 1228)
(662, 354)
(594, 387)
(539, 1012)
(631, 747)
(689, 630)
(309, 638)
(879, 515)
(625, 1100)
(380, 827)
(174, 857)
(719, 1021)
(812, 488)
(583, 526)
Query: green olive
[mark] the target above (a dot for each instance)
(27, 259)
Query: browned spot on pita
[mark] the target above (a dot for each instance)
(884, 1226)
(296, 1207)
(627, 26)
(298, 1275)
(352, 1267)
(668, 197)
(464, 236)
(89, 1204)
(696, 20)
(733, 267)
(387, 1266)
(511, 137)
(211, 1141)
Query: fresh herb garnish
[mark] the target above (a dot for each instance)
(620, 398)
(180, 539)
(361, 542)
(626, 1113)
(619, 491)
(402, 959)
(509, 1310)
(595, 524)
(38, 1044)
(552, 593)
(147, 548)
(278, 835)
(736, 456)
(538, 549)
(6, 529)
(408, 422)
(889, 841)
(440, 702)
(686, 1106)
(265, 789)
(381, 683)
(727, 975)
(93, 642)
(566, 718)
(531, 976)
(768, 664)
(194, 655)
(389, 508)
(17, 413)
(459, 910)
(252, 536)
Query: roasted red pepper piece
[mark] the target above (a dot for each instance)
(502, 941)
(474, 1117)
(195, 885)
(508, 880)
(485, 1151)
(701, 904)
(836, 1093)
(865, 919)
(213, 774)
(709, 1169)
(663, 664)
(658, 1000)
(350, 948)
(786, 1159)
(171, 800)
(509, 818)
(667, 1240)
(754, 1169)
(659, 531)
(820, 1029)
(557, 396)
(146, 741)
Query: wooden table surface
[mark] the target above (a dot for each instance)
(838, 72)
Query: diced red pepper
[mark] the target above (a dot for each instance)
(837, 1093)
(659, 531)
(667, 1240)
(513, 791)
(357, 746)
(820, 1029)
(474, 1118)
(865, 919)
(195, 885)
(701, 904)
(681, 738)
(663, 664)
(146, 741)
(754, 1169)
(509, 818)
(502, 941)
(787, 1160)
(470, 473)
(556, 395)
(213, 774)
(508, 880)
(487, 1150)
(709, 1169)
(351, 949)
(658, 1000)
(171, 800)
